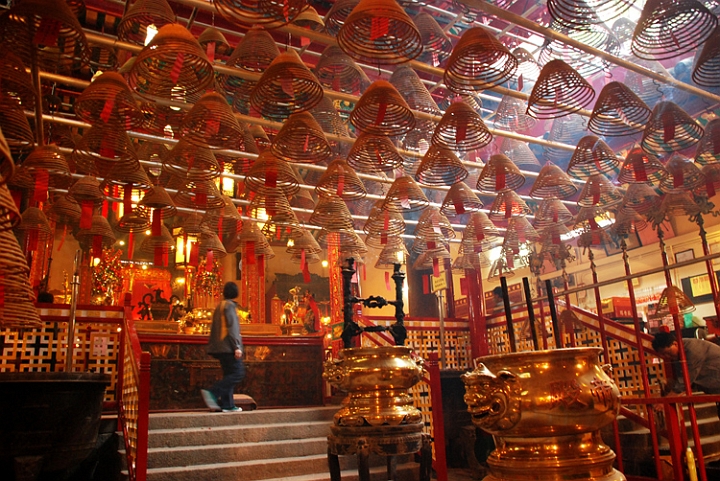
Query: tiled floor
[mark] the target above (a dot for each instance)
(460, 474)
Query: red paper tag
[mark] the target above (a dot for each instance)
(380, 117)
(158, 256)
(286, 84)
(177, 67)
(668, 121)
(271, 178)
(209, 260)
(306, 275)
(387, 281)
(156, 222)
(463, 286)
(461, 132)
(261, 266)
(383, 238)
(499, 178)
(213, 126)
(340, 182)
(508, 209)
(678, 178)
(426, 285)
(364, 274)
(379, 27)
(32, 240)
(459, 207)
(86, 213)
(210, 51)
(302, 259)
(250, 252)
(2, 291)
(304, 41)
(127, 199)
(520, 83)
(436, 267)
(97, 246)
(42, 179)
(108, 107)
(431, 245)
(105, 209)
(639, 168)
(62, 238)
(194, 254)
(47, 32)
(130, 246)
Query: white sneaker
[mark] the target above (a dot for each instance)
(210, 400)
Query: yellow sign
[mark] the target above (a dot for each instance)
(700, 285)
(438, 282)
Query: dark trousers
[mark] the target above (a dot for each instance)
(233, 373)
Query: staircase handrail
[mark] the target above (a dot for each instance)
(134, 397)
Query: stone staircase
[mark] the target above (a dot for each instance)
(268, 444)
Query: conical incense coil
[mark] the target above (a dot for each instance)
(507, 204)
(14, 125)
(309, 18)
(461, 129)
(7, 165)
(437, 46)
(627, 221)
(191, 162)
(304, 242)
(269, 173)
(593, 156)
(381, 110)
(87, 189)
(272, 14)
(341, 180)
(337, 15)
(374, 153)
(708, 149)
(211, 123)
(460, 199)
(681, 174)
(478, 61)
(345, 240)
(599, 191)
(48, 158)
(551, 212)
(440, 166)
(639, 166)
(380, 32)
(500, 174)
(669, 28)
(108, 100)
(383, 222)
(431, 258)
(592, 219)
(262, 141)
(511, 115)
(152, 151)
(157, 198)
(586, 64)
(331, 213)
(226, 220)
(670, 129)
(99, 231)
(569, 130)
(331, 123)
(595, 239)
(286, 87)
(202, 194)
(273, 208)
(34, 225)
(336, 70)
(301, 139)
(143, 13)
(552, 182)
(559, 91)
(679, 203)
(26, 26)
(711, 173)
(213, 41)
(646, 88)
(431, 222)
(480, 233)
(673, 301)
(134, 177)
(405, 196)
(469, 260)
(528, 66)
(393, 252)
(579, 13)
(519, 152)
(706, 71)
(209, 241)
(18, 310)
(407, 82)
(15, 81)
(618, 112)
(172, 66)
(102, 148)
(641, 197)
(519, 231)
(63, 210)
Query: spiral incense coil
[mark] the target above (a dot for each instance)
(519, 231)
(337, 15)
(670, 129)
(528, 66)
(133, 25)
(434, 246)
(499, 174)
(135, 221)
(192, 162)
(49, 159)
(585, 63)
(270, 13)
(202, 194)
(348, 242)
(14, 125)
(309, 19)
(418, 98)
(262, 141)
(681, 175)
(211, 124)
(383, 222)
(26, 28)
(480, 233)
(301, 140)
(331, 213)
(134, 176)
(304, 241)
(641, 197)
(102, 148)
(270, 205)
(15, 81)
(87, 189)
(405, 196)
(226, 219)
(331, 123)
(465, 261)
(336, 70)
(479, 61)
(460, 199)
(519, 152)
(430, 258)
(381, 110)
(593, 156)
(163, 120)
(209, 241)
(433, 221)
(647, 89)
(627, 221)
(440, 166)
(162, 242)
(711, 172)
(669, 28)
(393, 252)
(9, 213)
(213, 39)
(172, 66)
(379, 32)
(437, 46)
(708, 149)
(100, 227)
(706, 71)
(599, 191)
(580, 13)
(618, 112)
(551, 212)
(559, 91)
(286, 87)
(507, 204)
(374, 153)
(461, 129)
(510, 115)
(18, 311)
(552, 182)
(269, 173)
(64, 210)
(678, 203)
(108, 100)
(342, 180)
(158, 198)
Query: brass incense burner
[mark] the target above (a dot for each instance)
(545, 409)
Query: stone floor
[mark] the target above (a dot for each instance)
(461, 474)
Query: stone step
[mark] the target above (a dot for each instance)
(239, 432)
(262, 416)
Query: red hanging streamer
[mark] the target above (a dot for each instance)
(499, 177)
(463, 286)
(156, 228)
(42, 180)
(177, 67)
(194, 254)
(97, 246)
(678, 178)
(302, 259)
(213, 126)
(340, 182)
(668, 121)
(364, 273)
(130, 246)
(62, 238)
(105, 209)
(261, 266)
(520, 83)
(431, 245)
(86, 213)
(383, 238)
(32, 240)
(47, 32)
(379, 27)
(461, 132)
(250, 252)
(127, 199)
(209, 260)
(210, 51)
(201, 195)
(271, 178)
(380, 113)
(387, 281)
(108, 107)
(426, 285)
(306, 275)
(436, 267)
(158, 256)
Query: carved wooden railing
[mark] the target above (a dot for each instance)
(134, 398)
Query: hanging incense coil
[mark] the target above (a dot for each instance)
(99, 229)
(342, 180)
(595, 239)
(49, 159)
(202, 194)
(706, 71)
(627, 221)
(579, 13)
(9, 213)
(593, 156)
(26, 29)
(407, 82)
(383, 222)
(18, 310)
(143, 13)
(336, 70)
(510, 115)
(348, 242)
(507, 204)
(590, 218)
(640, 166)
(646, 88)
(480, 233)
(158, 198)
(379, 32)
(641, 197)
(304, 241)
(670, 129)
(669, 28)
(135, 177)
(680, 174)
(286, 87)
(519, 231)
(440, 166)
(135, 221)
(393, 252)
(374, 153)
(528, 67)
(551, 212)
(519, 152)
(569, 130)
(238, 163)
(213, 40)
(461, 129)
(211, 124)
(269, 173)
(309, 19)
(14, 125)
(108, 100)
(87, 189)
(469, 261)
(226, 220)
(63, 210)
(331, 123)
(381, 110)
(499, 174)
(268, 206)
(679, 203)
(673, 301)
(15, 81)
(559, 91)
(585, 63)
(405, 196)
(599, 191)
(172, 66)
(262, 141)
(433, 221)
(103, 147)
(163, 242)
(437, 46)
(618, 112)
(552, 182)
(337, 15)
(711, 173)
(269, 13)
(708, 150)
(460, 199)
(331, 213)
(192, 162)
(301, 140)
(479, 61)
(209, 241)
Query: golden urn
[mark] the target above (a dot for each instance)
(377, 380)
(545, 409)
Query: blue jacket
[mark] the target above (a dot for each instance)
(225, 330)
